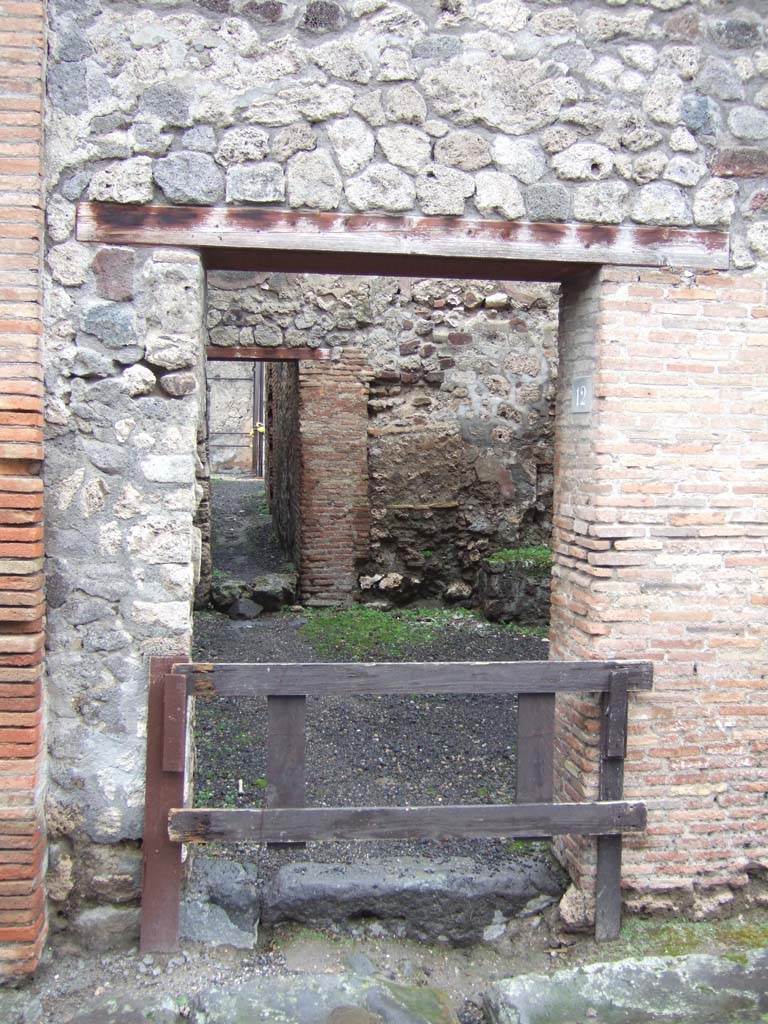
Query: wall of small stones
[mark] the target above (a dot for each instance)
(460, 411)
(125, 418)
(601, 111)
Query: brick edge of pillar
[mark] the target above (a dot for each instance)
(23, 922)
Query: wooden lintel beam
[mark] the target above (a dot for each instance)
(306, 824)
(321, 680)
(265, 354)
(367, 235)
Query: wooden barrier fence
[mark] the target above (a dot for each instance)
(286, 819)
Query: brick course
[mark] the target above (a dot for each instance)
(22, 842)
(669, 468)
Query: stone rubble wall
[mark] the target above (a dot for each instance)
(125, 411)
(459, 433)
(637, 111)
(598, 111)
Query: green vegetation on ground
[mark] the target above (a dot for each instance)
(731, 937)
(536, 559)
(362, 632)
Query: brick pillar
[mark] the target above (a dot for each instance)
(22, 843)
(334, 510)
(661, 520)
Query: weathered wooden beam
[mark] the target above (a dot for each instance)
(265, 353)
(234, 227)
(252, 680)
(305, 824)
(613, 744)
(535, 747)
(162, 866)
(286, 752)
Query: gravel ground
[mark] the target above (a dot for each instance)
(360, 750)
(242, 542)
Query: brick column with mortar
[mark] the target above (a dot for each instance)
(661, 520)
(334, 512)
(22, 842)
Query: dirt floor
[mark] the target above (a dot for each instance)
(360, 750)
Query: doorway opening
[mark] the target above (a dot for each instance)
(407, 473)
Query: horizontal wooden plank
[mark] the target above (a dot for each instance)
(250, 680)
(307, 824)
(237, 227)
(265, 354)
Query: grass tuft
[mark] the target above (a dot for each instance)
(537, 560)
(362, 632)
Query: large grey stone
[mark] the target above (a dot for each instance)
(454, 900)
(274, 589)
(243, 144)
(102, 928)
(230, 884)
(114, 323)
(548, 201)
(700, 114)
(313, 181)
(344, 59)
(68, 87)
(209, 923)
(652, 990)
(190, 177)
(381, 187)
(584, 161)
(513, 96)
(497, 192)
(603, 202)
(70, 262)
(443, 191)
(167, 103)
(684, 171)
(718, 78)
(404, 103)
(323, 999)
(256, 183)
(353, 143)
(660, 203)
(406, 147)
(748, 123)
(521, 157)
(463, 149)
(293, 138)
(201, 138)
(127, 181)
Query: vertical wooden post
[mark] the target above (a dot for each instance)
(286, 748)
(613, 748)
(535, 747)
(162, 866)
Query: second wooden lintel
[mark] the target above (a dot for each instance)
(266, 353)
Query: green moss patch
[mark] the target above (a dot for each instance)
(361, 632)
(535, 560)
